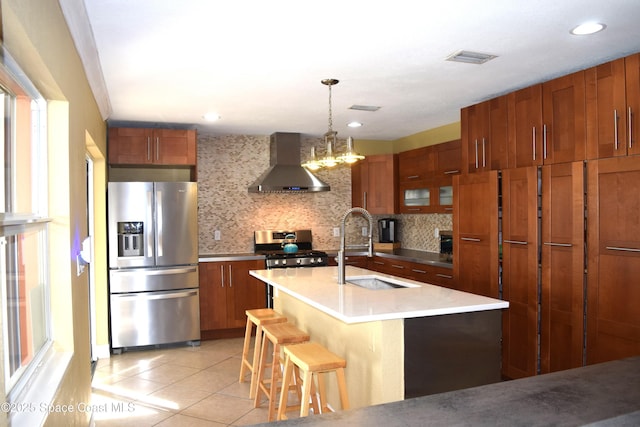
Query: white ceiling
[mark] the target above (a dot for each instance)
(259, 63)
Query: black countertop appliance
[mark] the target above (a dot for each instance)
(388, 230)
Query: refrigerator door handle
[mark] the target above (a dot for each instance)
(149, 237)
(159, 230)
(161, 272)
(157, 295)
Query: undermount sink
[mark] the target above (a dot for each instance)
(375, 283)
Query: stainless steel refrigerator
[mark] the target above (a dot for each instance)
(153, 263)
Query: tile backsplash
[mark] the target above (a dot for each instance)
(228, 164)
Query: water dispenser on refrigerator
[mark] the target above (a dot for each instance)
(130, 239)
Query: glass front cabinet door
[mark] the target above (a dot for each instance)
(432, 196)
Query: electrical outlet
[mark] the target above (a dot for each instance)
(336, 232)
(365, 231)
(216, 235)
(436, 233)
(79, 266)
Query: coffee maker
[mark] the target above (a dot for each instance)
(388, 230)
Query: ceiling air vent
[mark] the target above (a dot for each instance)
(364, 107)
(470, 57)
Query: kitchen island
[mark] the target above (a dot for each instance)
(398, 343)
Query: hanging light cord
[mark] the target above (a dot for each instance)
(330, 110)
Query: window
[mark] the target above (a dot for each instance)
(24, 282)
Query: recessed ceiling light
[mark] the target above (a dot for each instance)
(588, 28)
(354, 124)
(211, 117)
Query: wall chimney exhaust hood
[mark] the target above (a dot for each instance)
(285, 175)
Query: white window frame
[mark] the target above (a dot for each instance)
(16, 385)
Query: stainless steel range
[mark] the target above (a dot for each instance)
(275, 245)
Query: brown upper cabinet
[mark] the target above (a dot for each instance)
(145, 146)
(425, 178)
(547, 122)
(447, 158)
(525, 126)
(415, 165)
(613, 108)
(563, 111)
(484, 136)
(374, 184)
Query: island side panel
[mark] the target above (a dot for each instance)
(374, 352)
(452, 352)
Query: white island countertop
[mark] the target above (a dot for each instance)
(349, 303)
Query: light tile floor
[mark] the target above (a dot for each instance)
(178, 386)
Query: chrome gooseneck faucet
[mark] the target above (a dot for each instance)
(343, 246)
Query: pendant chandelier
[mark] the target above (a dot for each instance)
(330, 158)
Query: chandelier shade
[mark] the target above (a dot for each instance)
(331, 158)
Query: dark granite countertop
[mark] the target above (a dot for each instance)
(229, 257)
(412, 255)
(606, 394)
(424, 257)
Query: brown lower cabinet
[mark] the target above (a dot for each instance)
(613, 284)
(226, 292)
(420, 272)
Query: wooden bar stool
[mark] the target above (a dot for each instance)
(312, 358)
(258, 317)
(277, 334)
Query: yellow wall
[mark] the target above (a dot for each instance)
(35, 33)
(428, 137)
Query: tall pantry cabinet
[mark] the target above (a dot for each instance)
(568, 198)
(562, 267)
(520, 271)
(475, 233)
(613, 293)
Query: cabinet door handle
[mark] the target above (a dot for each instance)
(378, 262)
(448, 209)
(222, 276)
(516, 242)
(470, 239)
(615, 129)
(533, 142)
(452, 172)
(413, 209)
(364, 200)
(476, 154)
(630, 118)
(544, 142)
(564, 245)
(413, 177)
(444, 276)
(401, 267)
(230, 277)
(617, 248)
(149, 148)
(484, 157)
(415, 270)
(158, 148)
